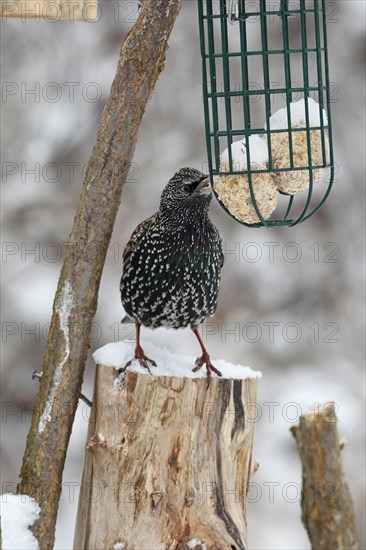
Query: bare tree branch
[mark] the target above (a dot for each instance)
(141, 60)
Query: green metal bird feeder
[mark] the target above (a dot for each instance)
(267, 107)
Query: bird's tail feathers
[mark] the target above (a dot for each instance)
(127, 320)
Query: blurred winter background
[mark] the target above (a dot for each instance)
(291, 302)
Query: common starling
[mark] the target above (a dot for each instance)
(172, 264)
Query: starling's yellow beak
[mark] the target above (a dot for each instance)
(204, 187)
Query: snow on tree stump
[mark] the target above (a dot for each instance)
(168, 460)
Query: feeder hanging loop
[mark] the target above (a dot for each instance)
(233, 11)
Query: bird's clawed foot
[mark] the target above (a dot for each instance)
(205, 360)
(144, 361)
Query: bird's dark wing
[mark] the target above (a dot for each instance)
(218, 238)
(141, 230)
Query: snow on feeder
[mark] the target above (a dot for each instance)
(296, 181)
(244, 46)
(233, 190)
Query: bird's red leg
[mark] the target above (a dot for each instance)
(139, 353)
(204, 359)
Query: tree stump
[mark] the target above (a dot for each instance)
(327, 507)
(167, 460)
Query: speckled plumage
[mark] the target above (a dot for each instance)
(172, 262)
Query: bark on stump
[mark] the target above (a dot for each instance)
(327, 507)
(167, 461)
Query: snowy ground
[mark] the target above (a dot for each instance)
(291, 302)
(18, 513)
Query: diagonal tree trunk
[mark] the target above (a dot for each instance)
(141, 60)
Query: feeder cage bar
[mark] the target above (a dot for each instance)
(258, 57)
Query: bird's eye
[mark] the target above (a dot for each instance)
(187, 188)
